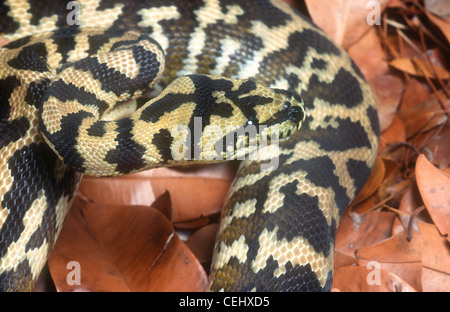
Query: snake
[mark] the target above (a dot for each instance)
(111, 87)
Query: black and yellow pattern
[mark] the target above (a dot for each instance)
(231, 63)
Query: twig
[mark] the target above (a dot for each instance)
(411, 220)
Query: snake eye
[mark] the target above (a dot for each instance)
(295, 114)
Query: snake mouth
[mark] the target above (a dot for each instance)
(285, 135)
(293, 113)
(240, 142)
(285, 123)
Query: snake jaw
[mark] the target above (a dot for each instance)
(288, 119)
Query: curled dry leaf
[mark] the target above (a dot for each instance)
(164, 204)
(124, 248)
(202, 242)
(194, 193)
(434, 187)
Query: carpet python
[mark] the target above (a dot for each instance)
(229, 62)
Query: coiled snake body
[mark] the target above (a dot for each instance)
(58, 87)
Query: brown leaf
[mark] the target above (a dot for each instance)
(369, 55)
(409, 202)
(415, 66)
(164, 204)
(76, 244)
(434, 187)
(202, 242)
(372, 183)
(346, 22)
(387, 91)
(434, 281)
(438, 7)
(293, 3)
(358, 231)
(365, 205)
(442, 23)
(193, 224)
(357, 278)
(415, 92)
(398, 256)
(123, 248)
(395, 132)
(390, 185)
(411, 199)
(423, 116)
(194, 193)
(438, 145)
(436, 259)
(436, 249)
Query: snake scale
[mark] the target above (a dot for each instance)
(229, 62)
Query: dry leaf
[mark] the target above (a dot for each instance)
(438, 7)
(436, 249)
(417, 67)
(438, 145)
(422, 116)
(346, 22)
(195, 192)
(436, 259)
(394, 133)
(97, 271)
(442, 24)
(390, 183)
(415, 92)
(202, 242)
(358, 278)
(124, 248)
(369, 55)
(372, 183)
(164, 205)
(434, 186)
(409, 202)
(358, 231)
(387, 91)
(411, 199)
(434, 281)
(398, 256)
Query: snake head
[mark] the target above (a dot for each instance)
(283, 116)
